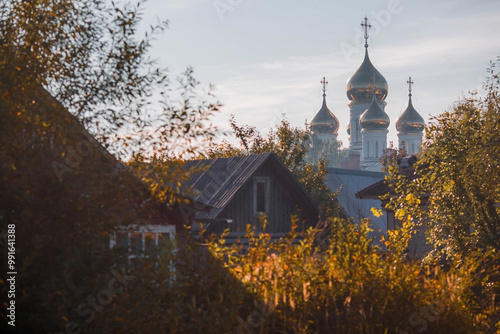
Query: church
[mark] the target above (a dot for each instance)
(366, 90)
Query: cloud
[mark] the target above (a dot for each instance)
(183, 4)
(444, 46)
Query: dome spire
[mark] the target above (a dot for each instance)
(324, 83)
(409, 82)
(374, 117)
(324, 120)
(410, 120)
(360, 85)
(366, 25)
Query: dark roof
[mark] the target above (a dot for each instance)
(374, 191)
(381, 188)
(100, 162)
(219, 180)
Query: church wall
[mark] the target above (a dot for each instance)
(374, 144)
(411, 142)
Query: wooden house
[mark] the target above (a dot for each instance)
(242, 188)
(72, 177)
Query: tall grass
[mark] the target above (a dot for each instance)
(295, 286)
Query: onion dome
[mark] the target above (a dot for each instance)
(365, 81)
(374, 117)
(410, 120)
(325, 120)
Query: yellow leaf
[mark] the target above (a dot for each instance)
(377, 212)
(411, 198)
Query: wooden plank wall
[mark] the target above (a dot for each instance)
(240, 209)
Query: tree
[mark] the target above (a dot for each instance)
(331, 151)
(391, 156)
(456, 191)
(291, 145)
(71, 72)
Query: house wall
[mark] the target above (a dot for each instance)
(241, 209)
(418, 247)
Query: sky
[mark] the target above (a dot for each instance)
(267, 57)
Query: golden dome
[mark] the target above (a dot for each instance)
(365, 81)
(325, 120)
(410, 120)
(374, 117)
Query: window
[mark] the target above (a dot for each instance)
(143, 241)
(356, 130)
(260, 194)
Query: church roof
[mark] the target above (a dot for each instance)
(410, 120)
(366, 80)
(325, 120)
(374, 117)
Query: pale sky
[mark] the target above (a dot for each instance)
(266, 58)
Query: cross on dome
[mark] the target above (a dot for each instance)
(324, 83)
(409, 82)
(366, 25)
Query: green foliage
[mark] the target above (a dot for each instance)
(455, 193)
(291, 145)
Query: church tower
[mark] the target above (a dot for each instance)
(374, 123)
(324, 127)
(366, 83)
(410, 126)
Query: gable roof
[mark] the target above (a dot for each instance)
(219, 180)
(90, 169)
(380, 188)
(374, 191)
